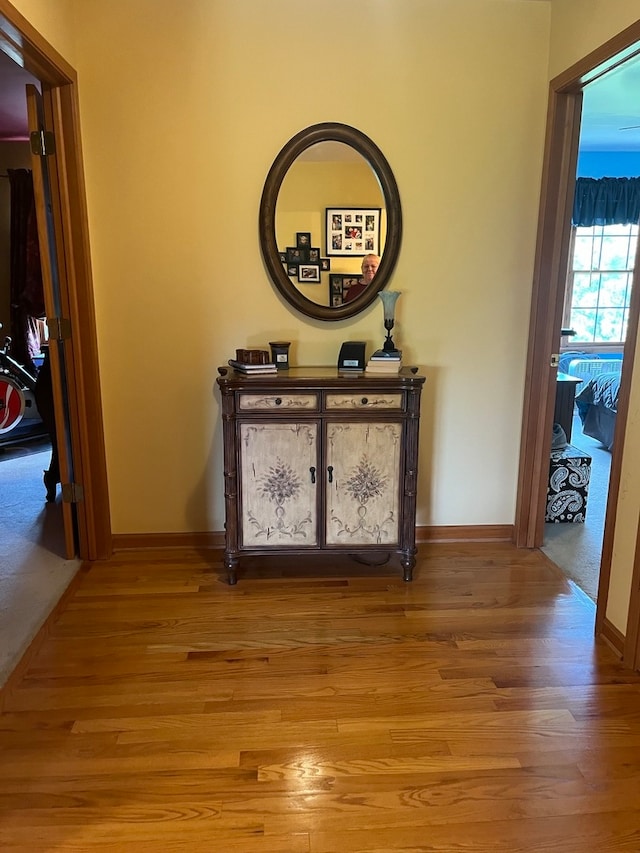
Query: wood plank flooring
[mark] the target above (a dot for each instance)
(321, 707)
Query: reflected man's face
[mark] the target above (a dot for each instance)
(370, 264)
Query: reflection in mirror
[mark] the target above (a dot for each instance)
(330, 200)
(327, 176)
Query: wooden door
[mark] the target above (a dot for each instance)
(60, 356)
(279, 484)
(362, 479)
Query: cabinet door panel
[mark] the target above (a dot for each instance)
(363, 497)
(278, 495)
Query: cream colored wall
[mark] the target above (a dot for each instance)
(178, 138)
(628, 515)
(53, 20)
(579, 27)
(181, 121)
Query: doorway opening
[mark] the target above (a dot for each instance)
(34, 569)
(52, 110)
(596, 309)
(551, 264)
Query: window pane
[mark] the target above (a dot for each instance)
(614, 253)
(602, 277)
(584, 323)
(582, 253)
(620, 230)
(585, 290)
(613, 290)
(609, 324)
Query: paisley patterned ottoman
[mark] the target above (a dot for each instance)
(569, 473)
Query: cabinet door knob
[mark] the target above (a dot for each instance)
(330, 472)
(313, 474)
(278, 401)
(364, 401)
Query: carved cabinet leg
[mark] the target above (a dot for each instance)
(408, 562)
(231, 564)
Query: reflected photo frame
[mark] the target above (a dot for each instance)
(308, 273)
(352, 231)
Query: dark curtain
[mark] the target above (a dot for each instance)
(26, 292)
(606, 201)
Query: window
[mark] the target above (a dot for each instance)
(599, 284)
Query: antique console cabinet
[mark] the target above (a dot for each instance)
(317, 460)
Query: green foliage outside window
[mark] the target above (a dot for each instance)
(600, 281)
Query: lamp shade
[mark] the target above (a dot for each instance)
(389, 298)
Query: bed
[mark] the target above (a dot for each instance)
(597, 404)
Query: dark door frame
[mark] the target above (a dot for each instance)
(20, 41)
(554, 228)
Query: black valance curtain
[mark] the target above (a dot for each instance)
(606, 201)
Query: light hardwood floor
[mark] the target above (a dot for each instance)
(325, 707)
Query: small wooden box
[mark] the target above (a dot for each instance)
(252, 356)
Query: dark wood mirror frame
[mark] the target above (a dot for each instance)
(333, 132)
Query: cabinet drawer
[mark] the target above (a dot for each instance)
(278, 402)
(365, 400)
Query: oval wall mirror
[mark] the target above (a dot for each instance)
(329, 200)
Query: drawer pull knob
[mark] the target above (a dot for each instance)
(330, 472)
(313, 474)
(364, 401)
(278, 401)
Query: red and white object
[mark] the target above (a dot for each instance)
(12, 403)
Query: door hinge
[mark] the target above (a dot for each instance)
(59, 328)
(555, 359)
(43, 143)
(72, 493)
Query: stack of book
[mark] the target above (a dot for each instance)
(252, 369)
(384, 362)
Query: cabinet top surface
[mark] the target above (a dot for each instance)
(324, 377)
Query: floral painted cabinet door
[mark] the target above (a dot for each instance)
(279, 462)
(363, 473)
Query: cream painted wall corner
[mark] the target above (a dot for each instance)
(580, 26)
(53, 19)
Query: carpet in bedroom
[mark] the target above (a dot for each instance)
(577, 548)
